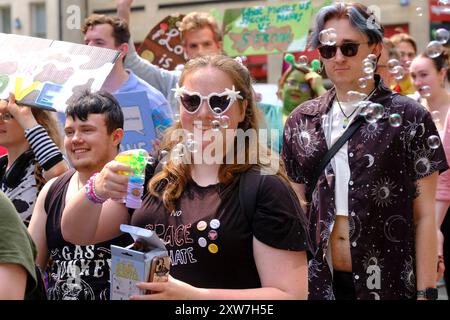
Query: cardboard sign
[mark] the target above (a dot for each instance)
(138, 125)
(162, 46)
(46, 73)
(267, 29)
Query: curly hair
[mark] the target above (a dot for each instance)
(121, 32)
(200, 20)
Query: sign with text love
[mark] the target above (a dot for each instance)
(162, 46)
(267, 29)
(47, 73)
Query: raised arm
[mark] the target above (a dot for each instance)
(85, 222)
(162, 79)
(45, 150)
(124, 9)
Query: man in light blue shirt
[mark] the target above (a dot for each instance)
(112, 32)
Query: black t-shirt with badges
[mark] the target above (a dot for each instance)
(210, 240)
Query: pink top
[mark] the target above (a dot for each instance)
(443, 186)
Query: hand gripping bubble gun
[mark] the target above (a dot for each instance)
(137, 160)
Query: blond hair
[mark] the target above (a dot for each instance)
(200, 20)
(171, 181)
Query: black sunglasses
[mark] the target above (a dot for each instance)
(348, 49)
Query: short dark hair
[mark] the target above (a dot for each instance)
(359, 16)
(100, 102)
(121, 32)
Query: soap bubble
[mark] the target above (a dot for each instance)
(399, 73)
(434, 142)
(303, 61)
(374, 112)
(442, 35)
(372, 57)
(178, 153)
(224, 121)
(392, 63)
(436, 116)
(192, 146)
(151, 160)
(217, 112)
(355, 96)
(362, 83)
(419, 11)
(434, 49)
(328, 37)
(163, 156)
(215, 124)
(395, 120)
(363, 106)
(425, 91)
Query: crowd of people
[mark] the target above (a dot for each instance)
(352, 207)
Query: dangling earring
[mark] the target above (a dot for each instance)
(321, 68)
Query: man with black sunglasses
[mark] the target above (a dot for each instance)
(370, 207)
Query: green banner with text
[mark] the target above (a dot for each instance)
(267, 29)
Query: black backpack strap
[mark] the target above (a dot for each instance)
(333, 150)
(249, 185)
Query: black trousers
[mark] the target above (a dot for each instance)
(343, 287)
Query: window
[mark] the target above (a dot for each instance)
(38, 20)
(5, 19)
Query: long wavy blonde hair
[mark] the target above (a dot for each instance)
(171, 181)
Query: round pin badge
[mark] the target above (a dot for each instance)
(201, 225)
(213, 248)
(212, 235)
(202, 242)
(214, 224)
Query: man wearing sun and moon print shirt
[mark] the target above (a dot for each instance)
(371, 210)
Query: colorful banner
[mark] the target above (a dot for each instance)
(139, 128)
(162, 46)
(46, 73)
(267, 29)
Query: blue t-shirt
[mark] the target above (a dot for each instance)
(161, 112)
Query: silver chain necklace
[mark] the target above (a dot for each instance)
(347, 118)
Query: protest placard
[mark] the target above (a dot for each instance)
(46, 73)
(139, 128)
(162, 46)
(267, 29)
